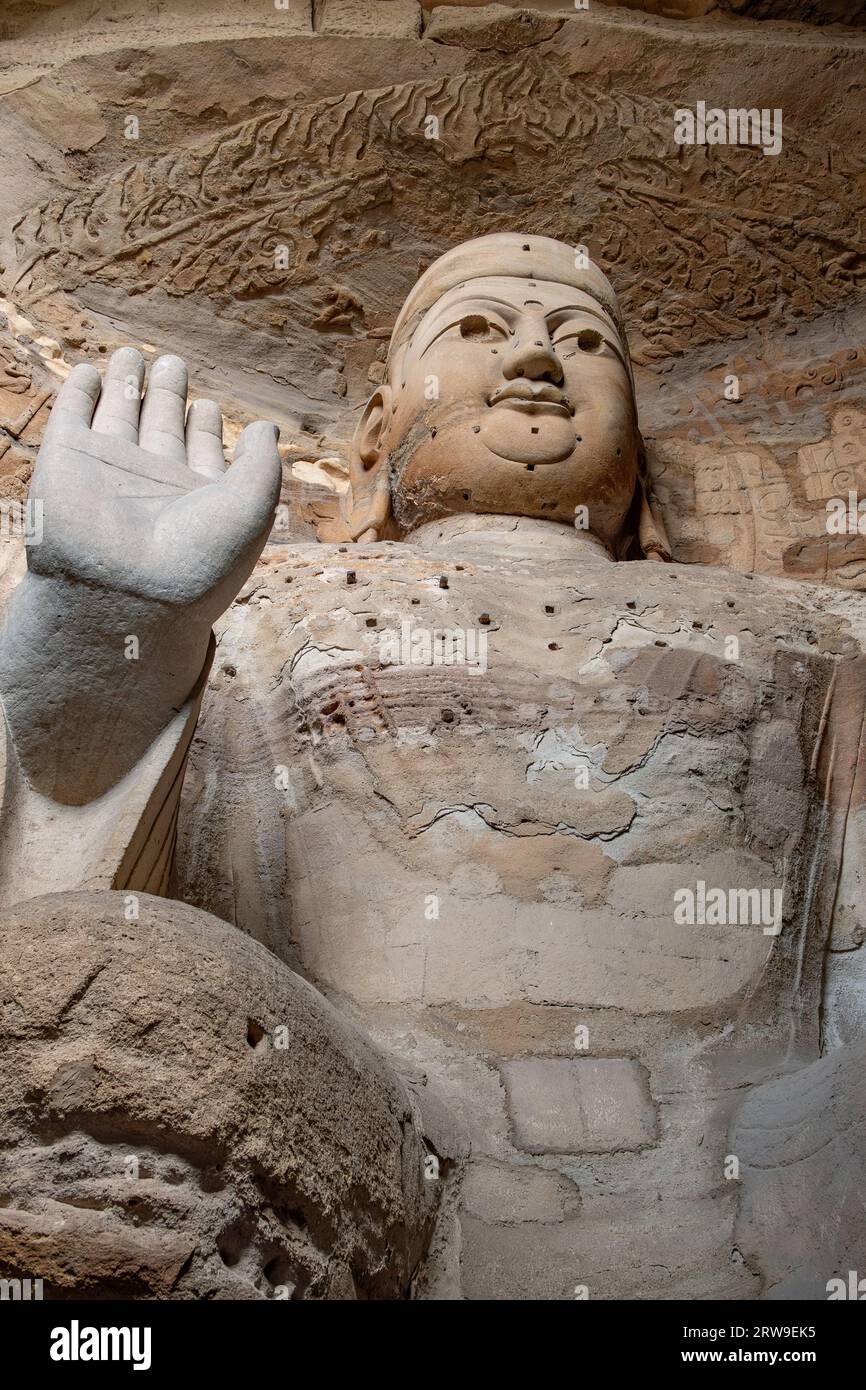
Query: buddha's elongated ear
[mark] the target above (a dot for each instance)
(366, 507)
(651, 533)
(643, 536)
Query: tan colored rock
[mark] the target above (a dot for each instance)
(807, 11)
(480, 847)
(390, 19)
(495, 26)
(493, 1193)
(183, 1117)
(588, 1105)
(71, 126)
(801, 1143)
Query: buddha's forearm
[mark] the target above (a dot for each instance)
(89, 678)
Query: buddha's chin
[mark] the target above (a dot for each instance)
(522, 437)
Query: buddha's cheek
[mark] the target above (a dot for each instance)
(456, 472)
(451, 470)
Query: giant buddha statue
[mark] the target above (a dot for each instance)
(567, 829)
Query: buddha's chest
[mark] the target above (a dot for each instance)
(638, 710)
(490, 784)
(591, 704)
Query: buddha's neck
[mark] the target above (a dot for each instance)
(524, 535)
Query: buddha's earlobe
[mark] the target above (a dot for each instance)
(369, 434)
(366, 507)
(652, 536)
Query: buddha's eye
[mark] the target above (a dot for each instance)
(588, 340)
(479, 329)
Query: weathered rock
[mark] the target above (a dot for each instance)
(801, 1144)
(393, 19)
(496, 27)
(585, 1105)
(183, 1117)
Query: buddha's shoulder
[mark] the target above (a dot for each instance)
(632, 602)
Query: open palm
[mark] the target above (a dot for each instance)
(135, 493)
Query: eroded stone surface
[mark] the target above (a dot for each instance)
(393, 19)
(589, 1105)
(801, 1140)
(163, 1138)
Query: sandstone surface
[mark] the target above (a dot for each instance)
(183, 1117)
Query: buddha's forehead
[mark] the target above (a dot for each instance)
(516, 293)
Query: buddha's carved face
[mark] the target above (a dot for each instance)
(513, 397)
(506, 394)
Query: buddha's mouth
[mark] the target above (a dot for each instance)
(532, 396)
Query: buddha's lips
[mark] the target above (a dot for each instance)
(531, 393)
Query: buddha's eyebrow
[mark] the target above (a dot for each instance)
(485, 299)
(432, 323)
(515, 308)
(480, 300)
(586, 309)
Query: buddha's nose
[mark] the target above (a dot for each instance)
(532, 354)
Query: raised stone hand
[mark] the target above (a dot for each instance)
(136, 496)
(146, 539)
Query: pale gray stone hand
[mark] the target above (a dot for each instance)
(135, 493)
(146, 540)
